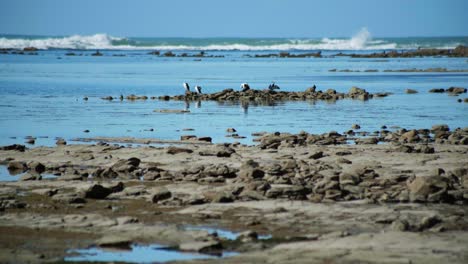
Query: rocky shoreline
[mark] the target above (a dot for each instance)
(320, 198)
(459, 51)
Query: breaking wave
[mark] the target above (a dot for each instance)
(360, 41)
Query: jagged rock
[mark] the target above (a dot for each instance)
(249, 170)
(107, 173)
(428, 188)
(126, 166)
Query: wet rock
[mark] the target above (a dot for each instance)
(206, 139)
(456, 90)
(30, 177)
(16, 166)
(356, 126)
(201, 246)
(411, 91)
(176, 150)
(410, 136)
(97, 191)
(60, 142)
(114, 241)
(440, 128)
(171, 111)
(36, 167)
(188, 137)
(17, 147)
(160, 194)
(437, 90)
(366, 141)
(247, 236)
(30, 141)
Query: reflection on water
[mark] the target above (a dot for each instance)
(137, 254)
(222, 233)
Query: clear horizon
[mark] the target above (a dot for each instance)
(240, 19)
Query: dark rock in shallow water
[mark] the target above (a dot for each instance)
(437, 90)
(17, 147)
(60, 142)
(456, 90)
(30, 177)
(17, 166)
(36, 167)
(411, 91)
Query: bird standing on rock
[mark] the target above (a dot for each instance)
(273, 86)
(245, 87)
(187, 87)
(198, 89)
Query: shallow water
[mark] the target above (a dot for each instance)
(138, 254)
(222, 233)
(6, 175)
(42, 95)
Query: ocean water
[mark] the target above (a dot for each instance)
(41, 95)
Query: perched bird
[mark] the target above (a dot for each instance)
(198, 89)
(273, 86)
(187, 87)
(245, 87)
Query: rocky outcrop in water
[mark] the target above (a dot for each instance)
(272, 96)
(459, 51)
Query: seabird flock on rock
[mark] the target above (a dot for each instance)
(244, 87)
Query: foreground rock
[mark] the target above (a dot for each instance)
(319, 198)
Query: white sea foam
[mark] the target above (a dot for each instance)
(97, 41)
(360, 41)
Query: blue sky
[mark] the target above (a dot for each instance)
(237, 18)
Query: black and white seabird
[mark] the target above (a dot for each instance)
(187, 87)
(273, 86)
(245, 87)
(198, 89)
